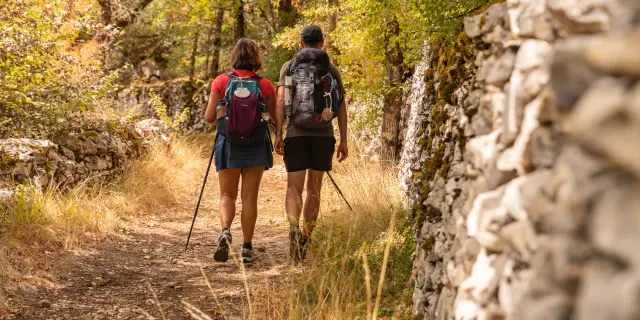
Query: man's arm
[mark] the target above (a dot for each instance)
(279, 143)
(279, 110)
(343, 150)
(342, 122)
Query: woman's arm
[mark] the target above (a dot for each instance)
(271, 106)
(210, 113)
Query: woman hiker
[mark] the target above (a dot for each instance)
(237, 98)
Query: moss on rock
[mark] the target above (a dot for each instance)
(449, 65)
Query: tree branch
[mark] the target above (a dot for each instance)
(122, 23)
(465, 13)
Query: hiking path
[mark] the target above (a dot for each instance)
(118, 276)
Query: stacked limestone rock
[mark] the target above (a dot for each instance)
(540, 219)
(177, 96)
(74, 157)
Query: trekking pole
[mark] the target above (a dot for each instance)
(339, 191)
(195, 214)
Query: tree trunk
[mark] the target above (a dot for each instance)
(217, 41)
(238, 14)
(207, 49)
(333, 22)
(194, 52)
(395, 75)
(105, 12)
(286, 14)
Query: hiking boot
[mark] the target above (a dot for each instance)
(303, 246)
(246, 253)
(222, 251)
(298, 244)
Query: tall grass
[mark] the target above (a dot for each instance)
(344, 275)
(38, 219)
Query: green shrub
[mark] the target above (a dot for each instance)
(43, 82)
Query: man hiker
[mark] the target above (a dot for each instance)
(310, 93)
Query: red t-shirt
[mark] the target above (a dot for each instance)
(220, 83)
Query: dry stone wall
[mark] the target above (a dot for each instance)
(72, 158)
(522, 164)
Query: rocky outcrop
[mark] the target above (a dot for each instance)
(76, 156)
(177, 95)
(524, 171)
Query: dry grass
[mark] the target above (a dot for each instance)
(38, 221)
(360, 267)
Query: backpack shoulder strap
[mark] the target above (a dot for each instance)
(289, 71)
(227, 92)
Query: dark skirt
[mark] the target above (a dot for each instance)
(229, 155)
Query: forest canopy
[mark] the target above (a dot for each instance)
(62, 58)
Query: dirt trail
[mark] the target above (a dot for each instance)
(114, 281)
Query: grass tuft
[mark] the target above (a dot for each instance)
(38, 220)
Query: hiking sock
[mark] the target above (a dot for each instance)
(247, 245)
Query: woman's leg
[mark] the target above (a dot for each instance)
(228, 179)
(251, 178)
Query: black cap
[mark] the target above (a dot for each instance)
(311, 34)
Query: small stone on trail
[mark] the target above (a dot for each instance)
(147, 257)
(174, 261)
(145, 250)
(44, 304)
(100, 281)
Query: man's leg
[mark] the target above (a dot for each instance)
(297, 158)
(312, 202)
(293, 204)
(321, 161)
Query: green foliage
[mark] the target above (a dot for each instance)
(364, 38)
(43, 82)
(273, 62)
(28, 207)
(163, 35)
(161, 111)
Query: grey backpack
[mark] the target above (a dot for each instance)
(315, 90)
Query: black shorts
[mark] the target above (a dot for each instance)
(302, 153)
